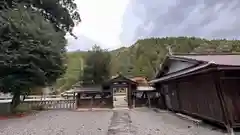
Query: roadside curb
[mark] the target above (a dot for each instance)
(101, 109)
(181, 116)
(189, 118)
(159, 110)
(93, 109)
(121, 108)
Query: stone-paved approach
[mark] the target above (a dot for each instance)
(115, 122)
(121, 124)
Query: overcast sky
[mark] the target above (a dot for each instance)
(116, 23)
(101, 22)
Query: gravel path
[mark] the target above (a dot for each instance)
(119, 122)
(149, 122)
(59, 123)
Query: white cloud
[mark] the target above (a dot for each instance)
(101, 20)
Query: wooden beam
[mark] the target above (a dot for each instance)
(222, 102)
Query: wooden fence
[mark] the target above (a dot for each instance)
(94, 100)
(52, 104)
(8, 96)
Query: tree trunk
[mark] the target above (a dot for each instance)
(15, 101)
(24, 97)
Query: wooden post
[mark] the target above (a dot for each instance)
(222, 103)
(78, 98)
(149, 101)
(91, 103)
(74, 100)
(230, 130)
(134, 102)
(129, 97)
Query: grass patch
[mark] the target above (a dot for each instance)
(38, 107)
(26, 108)
(22, 108)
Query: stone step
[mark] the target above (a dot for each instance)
(121, 108)
(120, 105)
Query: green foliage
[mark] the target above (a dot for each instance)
(144, 57)
(32, 53)
(96, 68)
(62, 14)
(38, 107)
(22, 108)
(74, 69)
(32, 42)
(27, 108)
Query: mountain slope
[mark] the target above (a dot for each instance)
(144, 57)
(75, 63)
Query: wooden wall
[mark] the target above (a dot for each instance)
(230, 86)
(196, 95)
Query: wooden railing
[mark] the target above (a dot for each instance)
(7, 97)
(52, 104)
(42, 96)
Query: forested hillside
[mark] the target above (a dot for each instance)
(144, 56)
(75, 65)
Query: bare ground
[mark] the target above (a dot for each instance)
(116, 122)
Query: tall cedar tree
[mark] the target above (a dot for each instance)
(97, 66)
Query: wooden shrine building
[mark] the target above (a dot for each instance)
(205, 86)
(144, 95)
(93, 97)
(121, 85)
(130, 92)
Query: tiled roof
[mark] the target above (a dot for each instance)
(140, 80)
(219, 59)
(120, 77)
(88, 89)
(191, 70)
(207, 59)
(145, 88)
